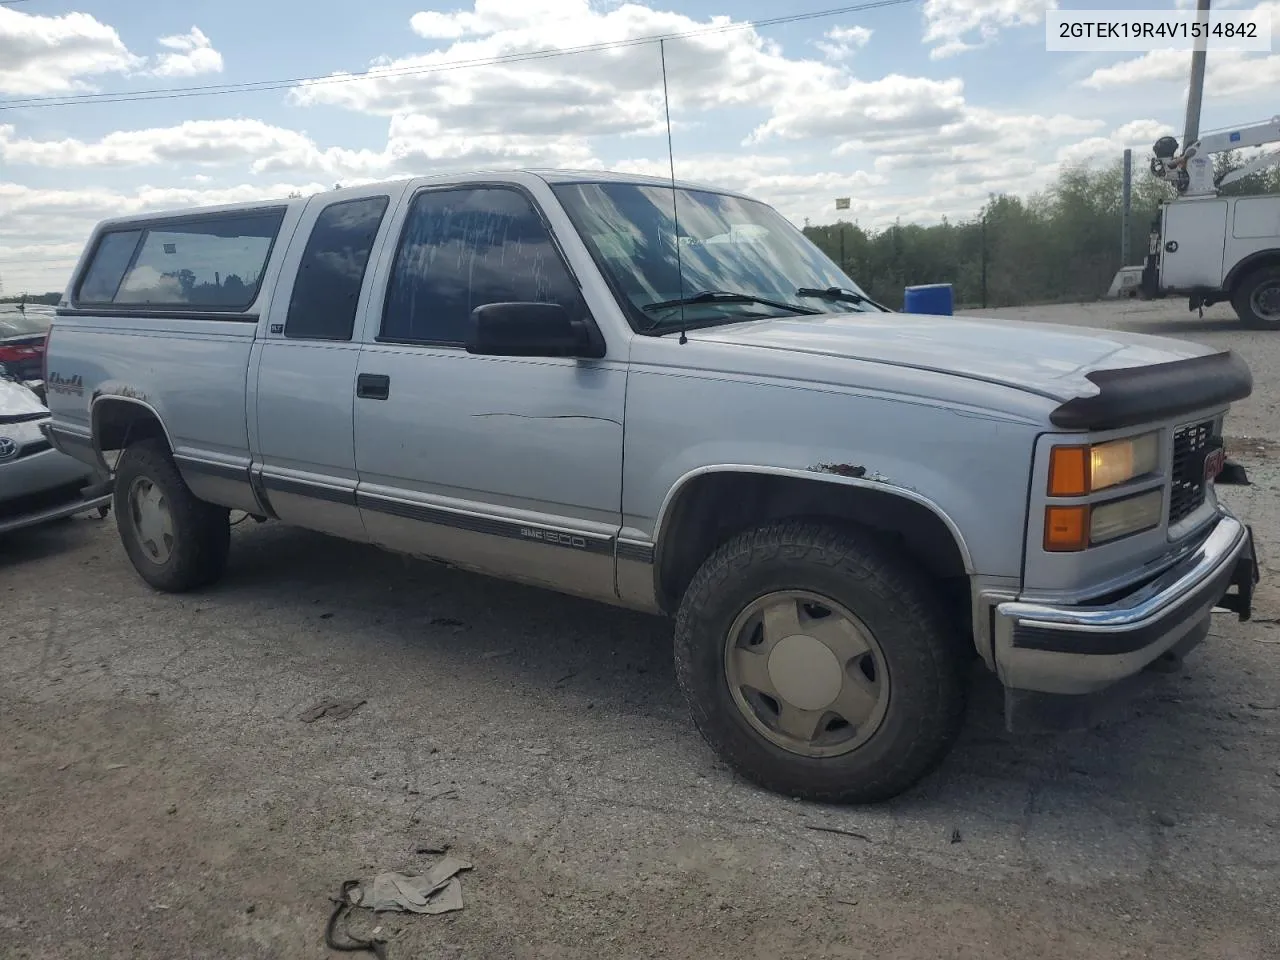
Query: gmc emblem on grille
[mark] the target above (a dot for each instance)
(1213, 463)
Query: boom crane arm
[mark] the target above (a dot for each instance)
(1192, 171)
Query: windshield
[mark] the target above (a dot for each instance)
(727, 245)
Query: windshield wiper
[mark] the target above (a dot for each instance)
(840, 296)
(724, 296)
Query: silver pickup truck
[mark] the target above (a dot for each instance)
(663, 396)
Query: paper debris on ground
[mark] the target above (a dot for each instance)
(439, 890)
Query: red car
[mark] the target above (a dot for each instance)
(22, 337)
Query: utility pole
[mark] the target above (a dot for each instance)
(984, 259)
(1126, 205)
(1191, 131)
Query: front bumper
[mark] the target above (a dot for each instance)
(43, 487)
(1083, 650)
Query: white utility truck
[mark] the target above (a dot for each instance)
(1210, 247)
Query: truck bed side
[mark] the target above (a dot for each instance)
(192, 381)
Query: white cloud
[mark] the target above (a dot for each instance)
(840, 42)
(50, 55)
(200, 142)
(1227, 76)
(912, 121)
(873, 109)
(91, 204)
(415, 144)
(1239, 75)
(193, 55)
(766, 177)
(614, 90)
(1137, 135)
(508, 106)
(1154, 66)
(955, 26)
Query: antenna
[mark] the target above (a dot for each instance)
(671, 161)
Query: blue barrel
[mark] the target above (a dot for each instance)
(934, 298)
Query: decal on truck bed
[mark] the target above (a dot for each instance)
(73, 386)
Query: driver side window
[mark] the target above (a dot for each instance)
(465, 247)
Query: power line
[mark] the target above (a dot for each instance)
(174, 93)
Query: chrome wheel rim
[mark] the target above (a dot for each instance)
(806, 674)
(1265, 301)
(151, 520)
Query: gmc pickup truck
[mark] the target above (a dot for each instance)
(663, 396)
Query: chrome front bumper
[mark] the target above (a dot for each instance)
(1076, 650)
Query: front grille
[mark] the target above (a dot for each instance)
(34, 447)
(1188, 491)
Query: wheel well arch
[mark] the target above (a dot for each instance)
(117, 421)
(710, 506)
(1246, 266)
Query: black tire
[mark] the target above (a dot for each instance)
(924, 656)
(1242, 298)
(201, 532)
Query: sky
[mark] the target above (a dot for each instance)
(913, 109)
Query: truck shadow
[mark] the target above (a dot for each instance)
(48, 539)
(439, 622)
(1190, 327)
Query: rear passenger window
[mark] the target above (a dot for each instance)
(327, 289)
(212, 263)
(109, 263)
(463, 248)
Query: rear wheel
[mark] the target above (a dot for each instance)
(1256, 299)
(820, 664)
(175, 541)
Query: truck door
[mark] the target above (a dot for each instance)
(1193, 242)
(303, 397)
(511, 466)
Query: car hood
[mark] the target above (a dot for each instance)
(1051, 360)
(19, 403)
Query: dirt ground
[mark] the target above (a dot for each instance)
(160, 797)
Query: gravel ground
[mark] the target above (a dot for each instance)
(160, 797)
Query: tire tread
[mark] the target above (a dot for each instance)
(862, 559)
(203, 535)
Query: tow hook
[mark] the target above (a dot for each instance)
(1244, 578)
(1232, 475)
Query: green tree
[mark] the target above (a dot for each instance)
(1060, 244)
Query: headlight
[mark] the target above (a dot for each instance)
(1121, 460)
(1120, 518)
(1071, 529)
(1075, 471)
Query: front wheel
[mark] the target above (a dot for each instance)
(1256, 299)
(820, 664)
(176, 541)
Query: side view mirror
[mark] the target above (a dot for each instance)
(530, 330)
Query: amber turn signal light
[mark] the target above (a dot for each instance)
(1066, 529)
(1069, 472)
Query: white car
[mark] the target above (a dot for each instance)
(37, 483)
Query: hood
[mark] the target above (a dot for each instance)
(1051, 360)
(18, 403)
